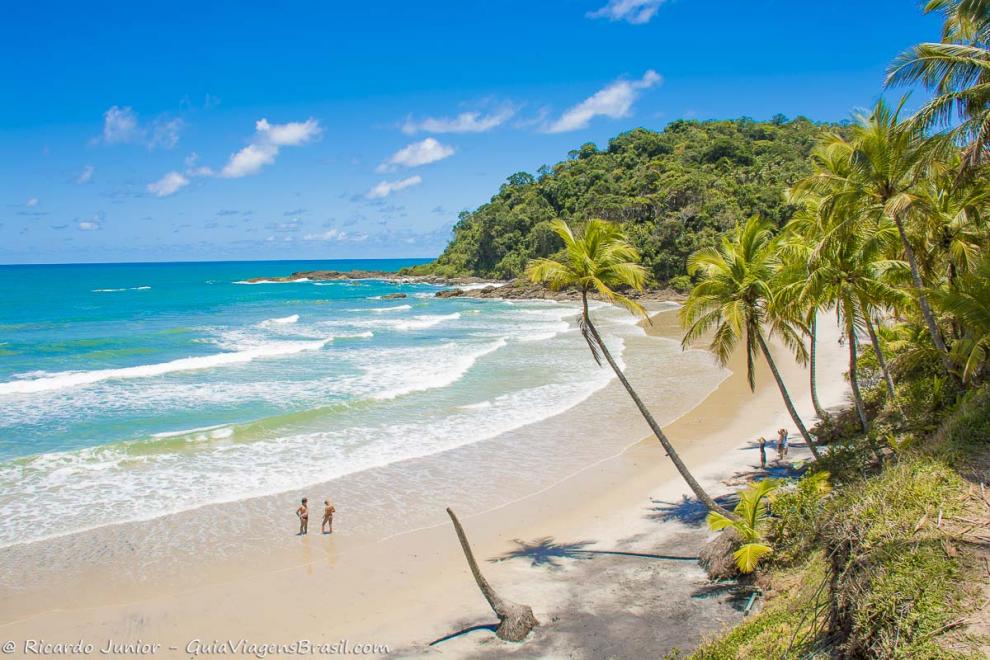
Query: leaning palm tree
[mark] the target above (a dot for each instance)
(597, 262)
(736, 297)
(957, 72)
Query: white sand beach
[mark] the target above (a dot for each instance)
(604, 556)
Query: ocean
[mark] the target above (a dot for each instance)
(134, 391)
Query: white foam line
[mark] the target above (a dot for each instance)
(74, 379)
(176, 434)
(433, 381)
(301, 279)
(285, 320)
(382, 310)
(132, 288)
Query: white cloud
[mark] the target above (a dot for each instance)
(268, 140)
(31, 202)
(86, 174)
(335, 234)
(92, 223)
(289, 135)
(169, 184)
(386, 188)
(613, 101)
(636, 12)
(466, 122)
(120, 125)
(165, 133)
(249, 160)
(417, 153)
(193, 169)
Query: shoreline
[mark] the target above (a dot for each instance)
(457, 287)
(380, 592)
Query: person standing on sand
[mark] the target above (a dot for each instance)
(763, 452)
(783, 443)
(303, 513)
(327, 526)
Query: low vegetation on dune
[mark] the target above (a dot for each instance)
(891, 562)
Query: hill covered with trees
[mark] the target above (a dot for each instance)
(673, 191)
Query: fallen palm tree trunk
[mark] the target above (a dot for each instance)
(515, 620)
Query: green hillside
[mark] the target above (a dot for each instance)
(674, 191)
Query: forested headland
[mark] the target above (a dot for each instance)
(673, 191)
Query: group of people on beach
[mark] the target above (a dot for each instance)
(781, 444)
(303, 514)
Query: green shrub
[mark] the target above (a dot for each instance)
(797, 509)
(681, 283)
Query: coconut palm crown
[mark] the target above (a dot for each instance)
(599, 261)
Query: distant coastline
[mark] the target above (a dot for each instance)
(467, 287)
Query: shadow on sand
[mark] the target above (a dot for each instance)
(738, 595)
(491, 627)
(545, 552)
(688, 510)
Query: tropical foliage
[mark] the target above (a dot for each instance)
(596, 262)
(752, 518)
(737, 301)
(671, 191)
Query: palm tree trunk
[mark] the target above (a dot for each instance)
(787, 397)
(696, 488)
(819, 410)
(854, 376)
(919, 285)
(515, 620)
(881, 358)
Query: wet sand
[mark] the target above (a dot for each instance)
(413, 588)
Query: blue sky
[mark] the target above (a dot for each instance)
(245, 130)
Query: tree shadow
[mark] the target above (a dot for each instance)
(738, 595)
(464, 631)
(688, 510)
(544, 552)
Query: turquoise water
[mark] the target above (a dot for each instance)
(131, 391)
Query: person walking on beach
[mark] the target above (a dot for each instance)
(782, 443)
(327, 526)
(303, 513)
(763, 452)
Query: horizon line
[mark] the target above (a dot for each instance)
(205, 261)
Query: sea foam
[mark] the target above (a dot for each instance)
(67, 379)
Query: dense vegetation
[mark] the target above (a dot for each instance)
(882, 548)
(673, 192)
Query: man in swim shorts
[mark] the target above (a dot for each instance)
(303, 513)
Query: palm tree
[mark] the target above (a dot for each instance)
(796, 250)
(877, 172)
(951, 220)
(969, 301)
(752, 516)
(735, 297)
(847, 270)
(597, 262)
(957, 71)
